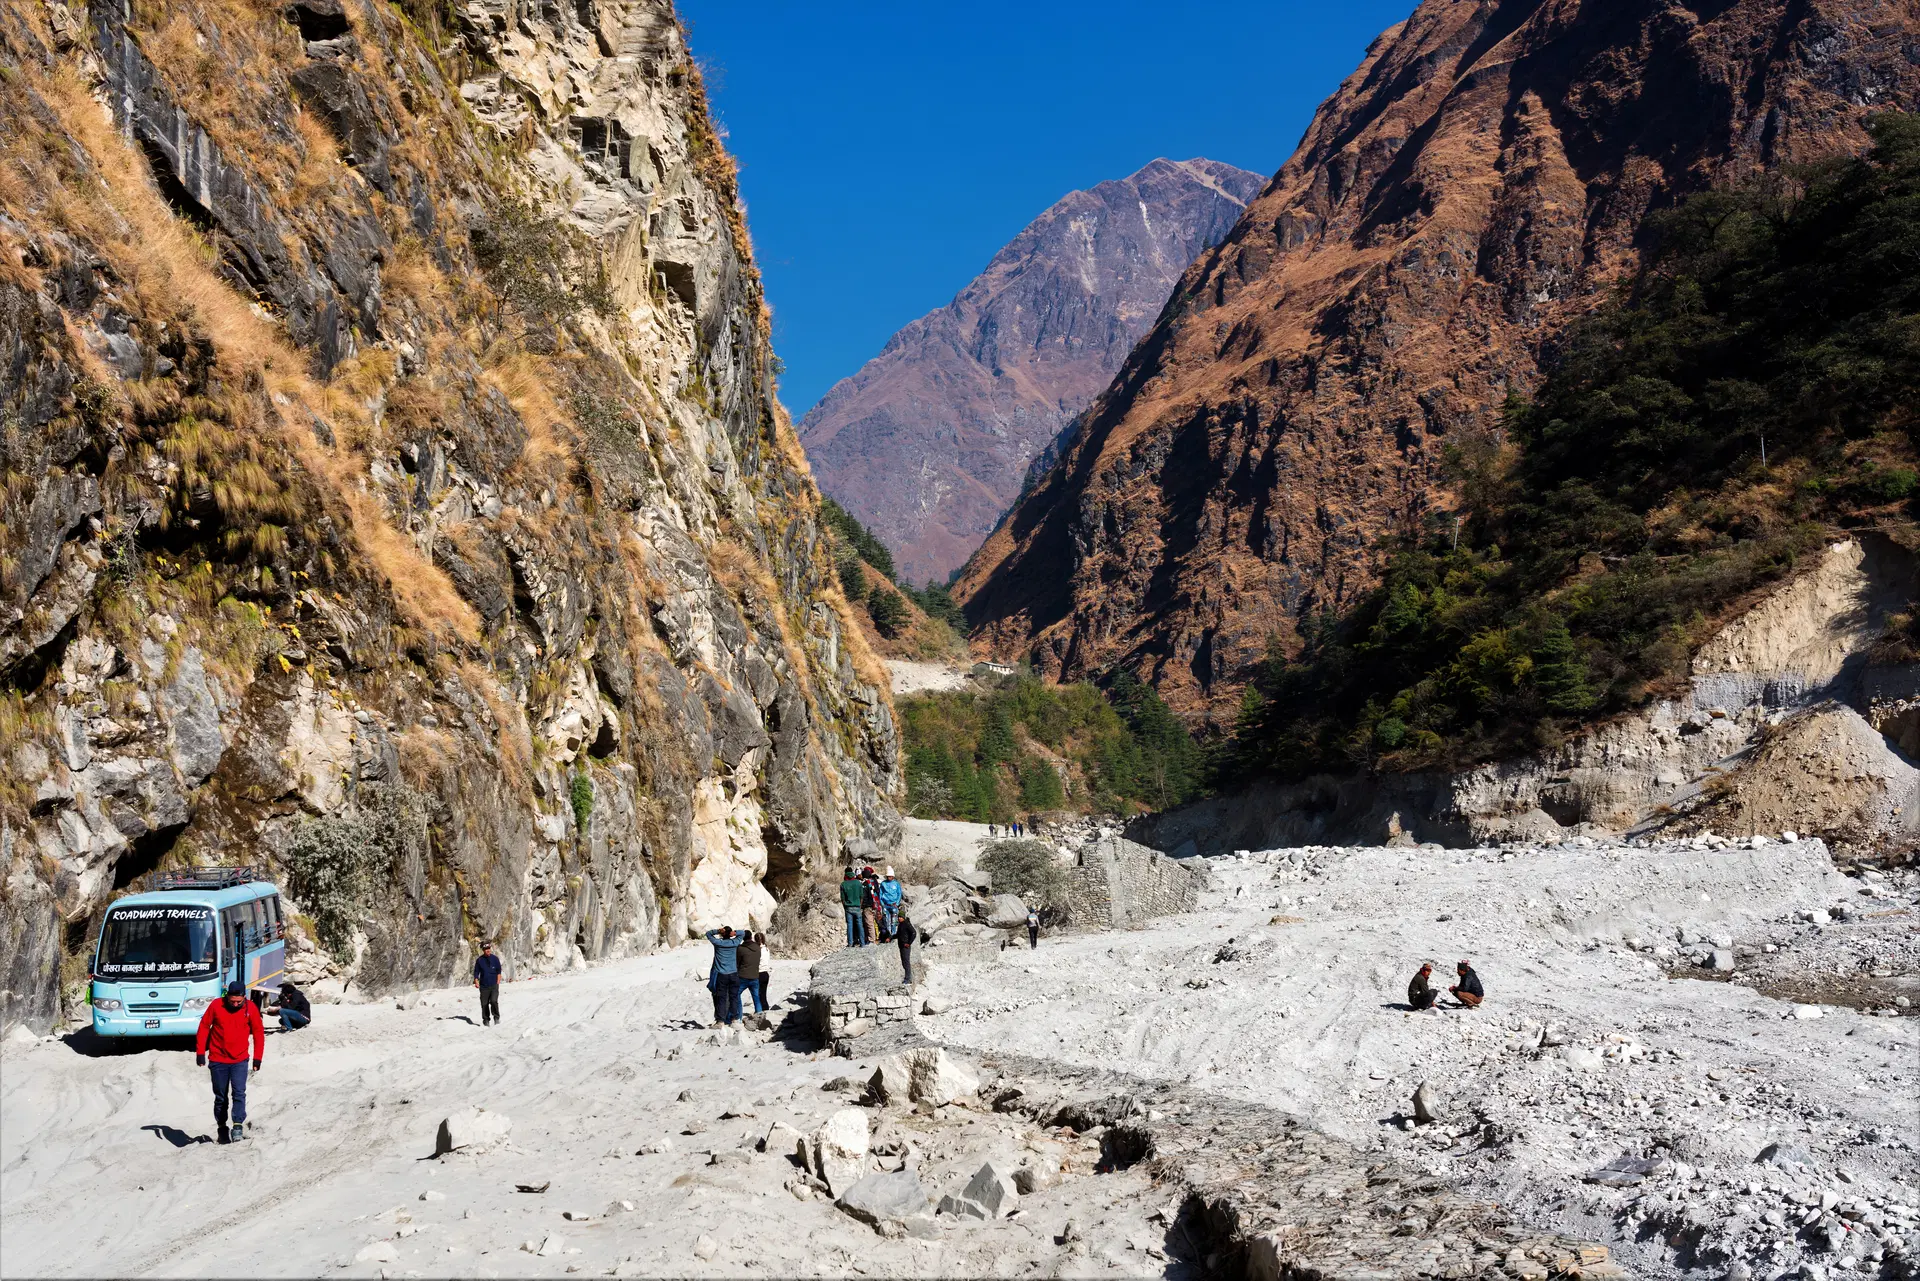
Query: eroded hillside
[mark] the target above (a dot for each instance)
(1480, 181)
(395, 493)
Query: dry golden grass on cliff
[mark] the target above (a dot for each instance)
(170, 268)
(516, 374)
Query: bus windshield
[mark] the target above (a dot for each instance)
(159, 943)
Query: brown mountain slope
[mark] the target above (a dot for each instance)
(1477, 183)
(928, 443)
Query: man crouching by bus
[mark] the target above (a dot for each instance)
(225, 1030)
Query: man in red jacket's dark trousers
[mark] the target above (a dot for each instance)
(225, 1030)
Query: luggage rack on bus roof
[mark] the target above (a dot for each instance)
(207, 878)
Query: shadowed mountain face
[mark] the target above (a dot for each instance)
(929, 442)
(1481, 180)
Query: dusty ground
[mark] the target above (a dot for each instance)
(107, 1165)
(1285, 988)
(912, 677)
(1288, 989)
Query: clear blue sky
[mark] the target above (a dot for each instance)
(888, 149)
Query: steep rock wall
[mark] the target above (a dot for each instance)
(389, 438)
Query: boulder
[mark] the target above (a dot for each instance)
(938, 1079)
(837, 1151)
(892, 1081)
(1581, 1058)
(782, 1139)
(992, 1189)
(935, 1005)
(1423, 1102)
(960, 1207)
(474, 1130)
(877, 1198)
(1720, 958)
(1006, 912)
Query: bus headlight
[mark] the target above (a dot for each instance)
(107, 1003)
(198, 1002)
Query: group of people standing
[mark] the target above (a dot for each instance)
(739, 967)
(1016, 829)
(872, 903)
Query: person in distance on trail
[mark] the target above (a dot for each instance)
(226, 1029)
(1421, 994)
(905, 937)
(726, 972)
(294, 1010)
(1468, 990)
(765, 970)
(486, 977)
(747, 965)
(1033, 927)
(850, 894)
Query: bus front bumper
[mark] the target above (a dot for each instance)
(121, 1023)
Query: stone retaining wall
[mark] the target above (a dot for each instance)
(1117, 884)
(859, 1001)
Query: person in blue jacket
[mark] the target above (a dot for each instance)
(726, 973)
(889, 894)
(486, 977)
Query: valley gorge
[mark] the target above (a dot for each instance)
(392, 465)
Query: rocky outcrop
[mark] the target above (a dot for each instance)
(1478, 182)
(389, 431)
(929, 442)
(1777, 732)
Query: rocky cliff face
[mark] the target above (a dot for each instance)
(390, 453)
(928, 444)
(1478, 182)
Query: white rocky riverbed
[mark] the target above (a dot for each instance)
(1604, 1035)
(1603, 1038)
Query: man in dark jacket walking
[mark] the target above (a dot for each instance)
(486, 977)
(851, 892)
(1468, 990)
(228, 1027)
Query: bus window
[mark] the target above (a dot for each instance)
(157, 942)
(262, 924)
(274, 914)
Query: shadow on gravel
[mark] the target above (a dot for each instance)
(90, 1043)
(179, 1138)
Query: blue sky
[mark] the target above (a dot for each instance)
(887, 150)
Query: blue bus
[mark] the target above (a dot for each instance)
(166, 955)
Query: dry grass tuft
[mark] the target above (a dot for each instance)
(516, 374)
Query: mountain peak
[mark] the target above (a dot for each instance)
(928, 443)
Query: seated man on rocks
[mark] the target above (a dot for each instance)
(1421, 994)
(1468, 990)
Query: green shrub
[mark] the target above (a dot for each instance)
(888, 611)
(336, 862)
(1029, 869)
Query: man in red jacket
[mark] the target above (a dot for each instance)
(225, 1030)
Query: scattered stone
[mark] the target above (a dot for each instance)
(474, 1130)
(782, 1139)
(736, 1111)
(1423, 1101)
(991, 1190)
(654, 1147)
(960, 1207)
(431, 1195)
(1720, 958)
(377, 1252)
(1581, 1058)
(535, 1188)
(877, 1198)
(935, 1005)
(841, 1085)
(1784, 1155)
(1627, 1171)
(837, 1151)
(685, 1096)
(1808, 1012)
(705, 1247)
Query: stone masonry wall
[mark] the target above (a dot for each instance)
(1116, 884)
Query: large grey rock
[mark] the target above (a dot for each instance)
(472, 1131)
(992, 1189)
(837, 1151)
(879, 1197)
(1424, 1100)
(1006, 912)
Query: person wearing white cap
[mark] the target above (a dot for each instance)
(890, 894)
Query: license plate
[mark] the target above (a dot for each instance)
(153, 1023)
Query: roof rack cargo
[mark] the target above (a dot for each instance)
(207, 878)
